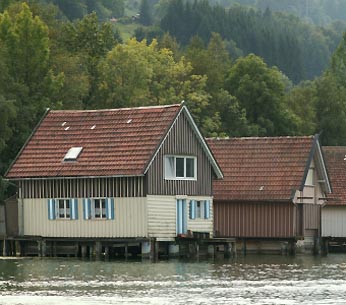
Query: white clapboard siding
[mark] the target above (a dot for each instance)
(200, 224)
(130, 220)
(334, 221)
(162, 217)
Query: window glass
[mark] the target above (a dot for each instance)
(64, 208)
(180, 167)
(179, 170)
(100, 208)
(169, 167)
(198, 209)
(190, 167)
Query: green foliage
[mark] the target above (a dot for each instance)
(260, 90)
(145, 17)
(299, 49)
(331, 110)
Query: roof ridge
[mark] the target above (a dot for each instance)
(261, 138)
(116, 109)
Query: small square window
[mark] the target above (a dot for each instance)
(63, 208)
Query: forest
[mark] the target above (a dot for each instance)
(246, 69)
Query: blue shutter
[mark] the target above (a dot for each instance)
(192, 211)
(110, 208)
(74, 208)
(87, 208)
(51, 209)
(207, 209)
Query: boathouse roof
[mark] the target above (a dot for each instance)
(108, 142)
(335, 157)
(265, 168)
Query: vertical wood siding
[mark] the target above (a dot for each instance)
(333, 221)
(312, 217)
(181, 140)
(130, 221)
(261, 220)
(83, 187)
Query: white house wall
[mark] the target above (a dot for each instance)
(162, 217)
(334, 221)
(130, 221)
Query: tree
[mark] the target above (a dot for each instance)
(89, 41)
(137, 74)
(26, 56)
(145, 17)
(260, 90)
(301, 100)
(331, 110)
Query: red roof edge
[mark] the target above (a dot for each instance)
(27, 141)
(164, 136)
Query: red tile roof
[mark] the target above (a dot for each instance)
(115, 142)
(263, 169)
(336, 166)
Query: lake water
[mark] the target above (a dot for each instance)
(244, 280)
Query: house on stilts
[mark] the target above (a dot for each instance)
(272, 193)
(116, 182)
(334, 212)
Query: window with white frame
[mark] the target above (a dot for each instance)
(181, 167)
(199, 209)
(99, 208)
(63, 208)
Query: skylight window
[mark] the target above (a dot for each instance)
(73, 153)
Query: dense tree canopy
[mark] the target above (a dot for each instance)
(242, 72)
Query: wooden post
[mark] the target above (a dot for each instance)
(244, 246)
(107, 252)
(84, 251)
(197, 250)
(227, 250)
(4, 250)
(98, 250)
(18, 248)
(126, 251)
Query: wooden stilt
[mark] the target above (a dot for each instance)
(4, 250)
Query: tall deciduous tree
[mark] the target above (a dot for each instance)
(135, 74)
(260, 90)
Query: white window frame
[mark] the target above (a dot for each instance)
(100, 212)
(199, 209)
(170, 170)
(66, 208)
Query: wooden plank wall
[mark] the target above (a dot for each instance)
(260, 220)
(130, 220)
(82, 187)
(181, 140)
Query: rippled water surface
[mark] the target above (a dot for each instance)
(245, 280)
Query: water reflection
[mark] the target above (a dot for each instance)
(245, 280)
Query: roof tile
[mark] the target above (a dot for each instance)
(336, 166)
(121, 143)
(255, 168)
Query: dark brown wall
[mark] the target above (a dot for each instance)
(82, 188)
(180, 141)
(252, 219)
